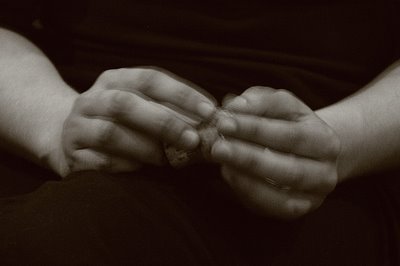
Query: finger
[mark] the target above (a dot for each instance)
(161, 86)
(228, 98)
(268, 102)
(285, 170)
(89, 159)
(310, 138)
(110, 137)
(122, 164)
(137, 113)
(266, 200)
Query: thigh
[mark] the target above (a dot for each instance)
(358, 224)
(94, 218)
(183, 218)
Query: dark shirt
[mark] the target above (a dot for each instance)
(320, 50)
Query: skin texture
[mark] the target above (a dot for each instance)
(274, 137)
(368, 126)
(120, 122)
(116, 125)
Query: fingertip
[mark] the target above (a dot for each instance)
(236, 103)
(221, 151)
(206, 109)
(226, 125)
(297, 207)
(226, 174)
(189, 139)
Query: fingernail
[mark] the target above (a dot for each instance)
(226, 175)
(221, 150)
(237, 102)
(206, 109)
(226, 125)
(189, 139)
(298, 207)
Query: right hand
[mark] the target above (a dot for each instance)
(121, 122)
(278, 155)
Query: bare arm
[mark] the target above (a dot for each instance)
(368, 125)
(283, 159)
(116, 125)
(34, 100)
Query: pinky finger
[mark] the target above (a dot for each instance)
(267, 200)
(118, 165)
(88, 159)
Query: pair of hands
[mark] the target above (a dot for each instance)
(272, 138)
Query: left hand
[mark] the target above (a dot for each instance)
(122, 121)
(278, 155)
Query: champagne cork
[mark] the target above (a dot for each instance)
(208, 133)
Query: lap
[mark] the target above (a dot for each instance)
(182, 218)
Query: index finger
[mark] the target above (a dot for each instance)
(268, 102)
(266, 200)
(163, 87)
(310, 138)
(137, 113)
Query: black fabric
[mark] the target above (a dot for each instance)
(174, 219)
(321, 50)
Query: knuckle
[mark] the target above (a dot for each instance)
(167, 123)
(330, 180)
(71, 135)
(82, 103)
(111, 77)
(148, 71)
(283, 94)
(333, 144)
(256, 94)
(105, 132)
(183, 95)
(107, 76)
(81, 100)
(296, 176)
(286, 98)
(144, 77)
(295, 136)
(257, 90)
(254, 129)
(148, 74)
(117, 102)
(108, 73)
(249, 161)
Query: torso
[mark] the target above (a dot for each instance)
(321, 50)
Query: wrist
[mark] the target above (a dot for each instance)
(347, 122)
(48, 151)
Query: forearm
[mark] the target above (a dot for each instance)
(368, 124)
(34, 100)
